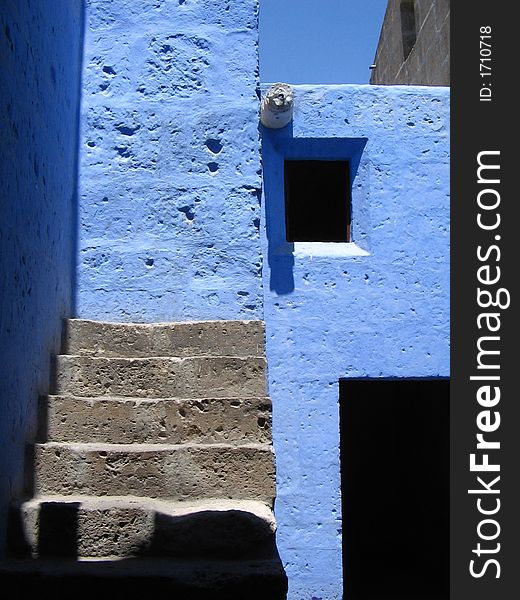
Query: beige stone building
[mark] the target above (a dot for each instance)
(414, 45)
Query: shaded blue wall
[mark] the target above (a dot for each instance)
(170, 162)
(40, 60)
(377, 307)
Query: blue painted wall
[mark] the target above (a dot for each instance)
(40, 67)
(170, 162)
(171, 229)
(376, 307)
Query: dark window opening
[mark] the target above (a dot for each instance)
(408, 28)
(317, 201)
(395, 488)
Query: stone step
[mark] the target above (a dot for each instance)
(156, 420)
(161, 377)
(177, 472)
(127, 526)
(209, 338)
(175, 579)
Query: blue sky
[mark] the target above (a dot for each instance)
(319, 41)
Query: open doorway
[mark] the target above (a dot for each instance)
(395, 488)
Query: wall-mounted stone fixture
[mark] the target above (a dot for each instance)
(277, 106)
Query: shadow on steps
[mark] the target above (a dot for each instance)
(228, 555)
(138, 578)
(64, 529)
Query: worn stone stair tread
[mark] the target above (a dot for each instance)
(124, 419)
(130, 526)
(165, 357)
(145, 400)
(87, 359)
(139, 448)
(174, 508)
(182, 579)
(213, 337)
(176, 471)
(155, 468)
(160, 376)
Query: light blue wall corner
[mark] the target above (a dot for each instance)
(332, 311)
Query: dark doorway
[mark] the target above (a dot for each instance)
(395, 488)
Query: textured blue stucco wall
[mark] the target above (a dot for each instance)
(170, 162)
(40, 67)
(378, 307)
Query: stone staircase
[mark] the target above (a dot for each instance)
(155, 464)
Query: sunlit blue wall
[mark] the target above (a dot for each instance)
(378, 307)
(40, 66)
(171, 227)
(170, 162)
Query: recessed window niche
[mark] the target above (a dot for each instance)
(316, 193)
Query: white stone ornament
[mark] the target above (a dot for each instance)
(277, 106)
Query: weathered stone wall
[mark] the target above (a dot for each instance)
(40, 66)
(377, 307)
(170, 161)
(429, 60)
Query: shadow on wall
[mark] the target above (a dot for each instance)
(41, 48)
(279, 252)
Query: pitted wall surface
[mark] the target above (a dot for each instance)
(378, 307)
(170, 162)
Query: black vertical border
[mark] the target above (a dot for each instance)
(477, 126)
